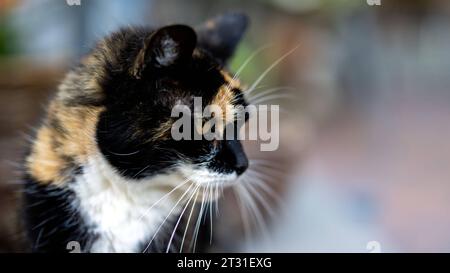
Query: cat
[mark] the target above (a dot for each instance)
(103, 170)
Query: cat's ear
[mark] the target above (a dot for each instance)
(221, 35)
(166, 47)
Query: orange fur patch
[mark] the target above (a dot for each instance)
(44, 164)
(163, 132)
(232, 82)
(225, 96)
(55, 151)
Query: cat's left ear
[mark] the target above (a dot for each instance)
(166, 47)
(221, 35)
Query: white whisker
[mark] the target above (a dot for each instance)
(273, 97)
(159, 200)
(199, 218)
(258, 181)
(261, 77)
(165, 219)
(253, 208)
(179, 218)
(268, 92)
(189, 220)
(261, 199)
(217, 199)
(243, 212)
(272, 165)
(248, 60)
(211, 214)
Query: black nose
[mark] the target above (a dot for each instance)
(241, 167)
(239, 159)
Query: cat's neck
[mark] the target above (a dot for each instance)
(124, 214)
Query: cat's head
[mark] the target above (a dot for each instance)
(143, 75)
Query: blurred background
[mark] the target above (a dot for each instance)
(364, 157)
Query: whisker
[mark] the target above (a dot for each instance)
(248, 60)
(199, 217)
(272, 165)
(273, 97)
(260, 178)
(217, 199)
(269, 171)
(211, 215)
(236, 97)
(207, 203)
(244, 213)
(189, 220)
(165, 219)
(269, 91)
(179, 218)
(121, 154)
(164, 196)
(261, 199)
(253, 208)
(142, 170)
(261, 77)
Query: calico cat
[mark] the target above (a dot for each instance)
(103, 159)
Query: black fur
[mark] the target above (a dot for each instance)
(52, 219)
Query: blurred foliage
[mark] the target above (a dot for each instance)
(8, 43)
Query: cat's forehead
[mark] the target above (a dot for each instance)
(222, 94)
(213, 84)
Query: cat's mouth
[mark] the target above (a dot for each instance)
(204, 177)
(213, 179)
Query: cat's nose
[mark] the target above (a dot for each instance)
(239, 159)
(241, 166)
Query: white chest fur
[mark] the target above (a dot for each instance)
(123, 213)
